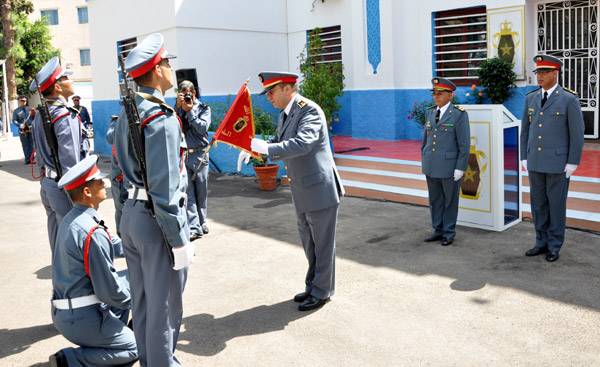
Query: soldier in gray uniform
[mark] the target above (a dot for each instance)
(66, 126)
(23, 118)
(302, 142)
(445, 152)
(118, 187)
(551, 146)
(154, 223)
(195, 117)
(90, 300)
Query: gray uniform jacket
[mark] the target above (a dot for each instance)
(67, 127)
(302, 142)
(446, 144)
(167, 177)
(551, 136)
(69, 279)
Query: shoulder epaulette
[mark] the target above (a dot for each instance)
(73, 110)
(533, 91)
(431, 107)
(153, 99)
(165, 107)
(460, 108)
(571, 91)
(301, 103)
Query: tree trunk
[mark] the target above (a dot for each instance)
(9, 42)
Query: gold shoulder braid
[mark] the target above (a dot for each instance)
(460, 108)
(301, 103)
(570, 91)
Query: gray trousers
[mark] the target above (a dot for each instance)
(57, 204)
(443, 204)
(100, 331)
(317, 233)
(119, 194)
(548, 192)
(156, 289)
(197, 193)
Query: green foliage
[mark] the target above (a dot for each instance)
(264, 123)
(34, 40)
(323, 82)
(418, 111)
(498, 78)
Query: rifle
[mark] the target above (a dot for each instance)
(49, 131)
(137, 140)
(135, 133)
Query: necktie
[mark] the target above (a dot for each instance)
(437, 115)
(544, 99)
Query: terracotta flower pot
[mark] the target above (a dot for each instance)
(267, 176)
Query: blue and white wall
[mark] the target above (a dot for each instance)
(386, 44)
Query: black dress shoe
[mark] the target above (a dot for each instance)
(204, 228)
(58, 360)
(536, 251)
(195, 236)
(301, 297)
(552, 256)
(435, 237)
(312, 303)
(446, 242)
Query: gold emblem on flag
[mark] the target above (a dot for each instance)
(240, 125)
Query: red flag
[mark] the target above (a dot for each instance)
(237, 128)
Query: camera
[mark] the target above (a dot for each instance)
(187, 97)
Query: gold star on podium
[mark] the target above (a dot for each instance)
(506, 50)
(469, 175)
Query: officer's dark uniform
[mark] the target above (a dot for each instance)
(552, 140)
(23, 119)
(445, 151)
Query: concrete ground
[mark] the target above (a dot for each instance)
(399, 301)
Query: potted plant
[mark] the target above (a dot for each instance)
(498, 79)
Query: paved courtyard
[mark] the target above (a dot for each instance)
(399, 301)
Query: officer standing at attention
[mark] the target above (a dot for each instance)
(195, 118)
(118, 187)
(56, 88)
(302, 142)
(90, 300)
(23, 118)
(552, 131)
(154, 223)
(445, 152)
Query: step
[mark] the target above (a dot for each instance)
(402, 181)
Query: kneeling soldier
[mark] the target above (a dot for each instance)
(90, 301)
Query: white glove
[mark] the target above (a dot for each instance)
(458, 174)
(259, 146)
(569, 169)
(244, 157)
(524, 162)
(183, 256)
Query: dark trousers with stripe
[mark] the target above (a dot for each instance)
(548, 192)
(443, 203)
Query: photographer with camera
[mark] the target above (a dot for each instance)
(195, 117)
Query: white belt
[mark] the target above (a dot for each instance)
(78, 302)
(137, 194)
(50, 173)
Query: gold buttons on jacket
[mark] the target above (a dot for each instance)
(539, 149)
(539, 137)
(542, 113)
(540, 125)
(433, 149)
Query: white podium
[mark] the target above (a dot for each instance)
(490, 195)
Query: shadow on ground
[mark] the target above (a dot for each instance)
(206, 335)
(386, 234)
(13, 341)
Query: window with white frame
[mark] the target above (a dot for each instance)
(82, 14)
(50, 15)
(84, 57)
(331, 44)
(460, 43)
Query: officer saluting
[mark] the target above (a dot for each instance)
(153, 233)
(90, 300)
(56, 88)
(551, 147)
(445, 151)
(302, 142)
